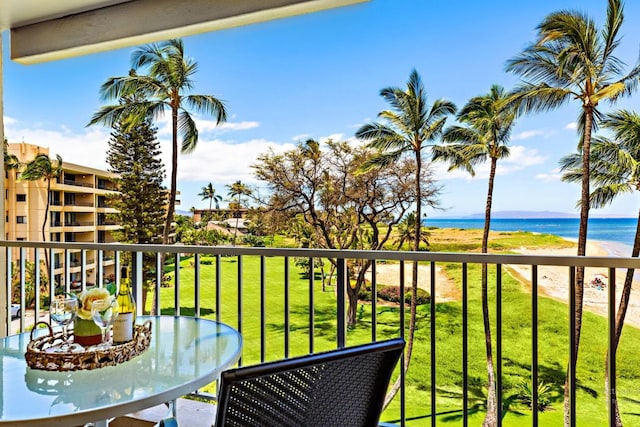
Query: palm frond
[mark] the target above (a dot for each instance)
(188, 132)
(207, 104)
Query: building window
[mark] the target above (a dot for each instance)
(21, 197)
(20, 238)
(21, 219)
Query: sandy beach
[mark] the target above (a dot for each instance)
(552, 281)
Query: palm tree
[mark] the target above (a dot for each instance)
(615, 170)
(410, 126)
(41, 167)
(209, 192)
(164, 87)
(406, 232)
(10, 160)
(237, 189)
(489, 120)
(573, 59)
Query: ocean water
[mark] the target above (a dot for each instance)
(614, 234)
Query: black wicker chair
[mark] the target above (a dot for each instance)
(345, 387)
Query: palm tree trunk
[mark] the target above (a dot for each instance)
(582, 249)
(491, 417)
(174, 174)
(414, 286)
(620, 315)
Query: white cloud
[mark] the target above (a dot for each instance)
(520, 158)
(553, 176)
(301, 137)
(88, 148)
(571, 126)
(334, 137)
(223, 162)
(529, 134)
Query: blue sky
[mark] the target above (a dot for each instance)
(319, 76)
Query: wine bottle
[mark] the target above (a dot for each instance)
(124, 323)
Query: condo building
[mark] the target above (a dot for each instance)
(78, 211)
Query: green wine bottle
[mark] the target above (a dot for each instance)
(124, 323)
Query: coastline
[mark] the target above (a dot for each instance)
(554, 281)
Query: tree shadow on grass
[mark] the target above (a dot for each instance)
(186, 311)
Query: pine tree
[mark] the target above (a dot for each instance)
(135, 156)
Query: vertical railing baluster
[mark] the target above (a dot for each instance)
(83, 269)
(176, 281)
(196, 287)
(312, 305)
(240, 267)
(432, 323)
(287, 308)
(611, 366)
(67, 273)
(534, 345)
(263, 310)
(159, 277)
(465, 347)
(137, 280)
(403, 414)
(100, 272)
(572, 346)
(36, 283)
(341, 290)
(218, 286)
(374, 302)
(23, 277)
(499, 344)
(9, 282)
(52, 283)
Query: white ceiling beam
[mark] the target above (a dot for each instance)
(143, 21)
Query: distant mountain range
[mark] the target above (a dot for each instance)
(514, 215)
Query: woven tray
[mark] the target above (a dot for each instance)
(38, 357)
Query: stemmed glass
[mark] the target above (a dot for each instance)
(63, 312)
(104, 312)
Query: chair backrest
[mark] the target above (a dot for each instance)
(344, 387)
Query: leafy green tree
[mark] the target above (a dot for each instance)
(134, 154)
(406, 231)
(165, 86)
(487, 123)
(237, 189)
(343, 207)
(209, 192)
(615, 170)
(10, 160)
(409, 126)
(41, 167)
(573, 59)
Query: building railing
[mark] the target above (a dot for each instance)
(77, 183)
(83, 204)
(269, 335)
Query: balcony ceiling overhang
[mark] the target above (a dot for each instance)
(45, 30)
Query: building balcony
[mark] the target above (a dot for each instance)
(283, 311)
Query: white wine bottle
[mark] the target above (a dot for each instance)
(124, 323)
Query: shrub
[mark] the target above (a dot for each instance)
(525, 395)
(392, 294)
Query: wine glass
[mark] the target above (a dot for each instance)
(63, 312)
(104, 312)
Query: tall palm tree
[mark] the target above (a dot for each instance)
(237, 189)
(573, 59)
(41, 167)
(166, 86)
(409, 126)
(209, 192)
(488, 121)
(615, 170)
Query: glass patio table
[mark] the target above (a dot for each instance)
(185, 354)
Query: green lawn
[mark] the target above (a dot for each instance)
(553, 339)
